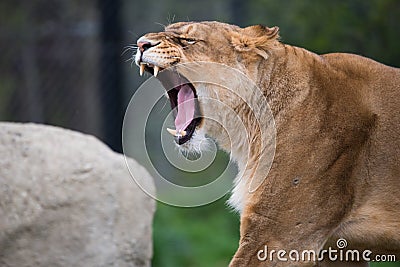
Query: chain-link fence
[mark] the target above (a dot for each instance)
(61, 62)
(53, 65)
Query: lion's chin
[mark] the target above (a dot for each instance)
(196, 144)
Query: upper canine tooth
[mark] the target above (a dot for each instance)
(171, 131)
(156, 69)
(141, 71)
(182, 132)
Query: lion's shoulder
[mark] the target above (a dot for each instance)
(355, 62)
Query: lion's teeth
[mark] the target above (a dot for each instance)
(175, 132)
(171, 131)
(141, 71)
(156, 69)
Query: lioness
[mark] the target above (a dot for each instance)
(336, 171)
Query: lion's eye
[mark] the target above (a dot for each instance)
(187, 41)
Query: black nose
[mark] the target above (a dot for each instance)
(143, 46)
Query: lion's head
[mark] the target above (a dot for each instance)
(213, 42)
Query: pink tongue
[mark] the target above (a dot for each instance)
(185, 108)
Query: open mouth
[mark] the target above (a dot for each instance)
(183, 99)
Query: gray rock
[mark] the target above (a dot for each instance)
(66, 199)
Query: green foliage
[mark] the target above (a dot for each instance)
(198, 237)
(367, 28)
(385, 264)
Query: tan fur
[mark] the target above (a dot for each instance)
(337, 120)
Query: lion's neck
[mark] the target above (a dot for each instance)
(283, 86)
(284, 77)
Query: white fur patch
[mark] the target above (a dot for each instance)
(197, 143)
(200, 142)
(238, 196)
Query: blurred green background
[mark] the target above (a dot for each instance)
(62, 64)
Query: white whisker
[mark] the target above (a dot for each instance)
(169, 20)
(133, 61)
(163, 107)
(135, 34)
(160, 24)
(127, 49)
(130, 59)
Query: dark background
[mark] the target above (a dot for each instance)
(62, 63)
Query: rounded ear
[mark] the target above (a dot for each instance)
(258, 38)
(261, 31)
(273, 32)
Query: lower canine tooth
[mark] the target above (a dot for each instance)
(176, 133)
(171, 131)
(156, 69)
(141, 71)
